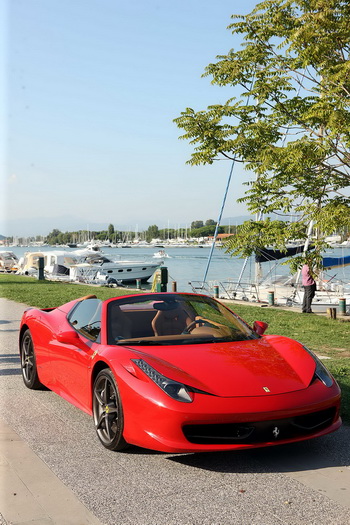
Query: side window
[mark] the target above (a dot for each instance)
(86, 318)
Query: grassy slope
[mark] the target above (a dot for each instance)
(327, 337)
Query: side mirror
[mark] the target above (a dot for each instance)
(259, 327)
(68, 337)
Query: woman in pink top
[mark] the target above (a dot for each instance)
(309, 285)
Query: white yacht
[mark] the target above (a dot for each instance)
(86, 266)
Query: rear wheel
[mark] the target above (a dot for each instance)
(28, 362)
(108, 412)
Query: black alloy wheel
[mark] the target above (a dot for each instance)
(108, 411)
(28, 362)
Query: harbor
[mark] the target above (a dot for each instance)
(225, 278)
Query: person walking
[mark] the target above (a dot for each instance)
(309, 286)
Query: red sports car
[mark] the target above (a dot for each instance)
(177, 372)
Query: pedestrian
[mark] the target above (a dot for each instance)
(309, 286)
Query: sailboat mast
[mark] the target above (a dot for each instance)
(258, 272)
(218, 222)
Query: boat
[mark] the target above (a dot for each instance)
(290, 292)
(285, 290)
(87, 266)
(161, 254)
(8, 261)
(56, 263)
(106, 271)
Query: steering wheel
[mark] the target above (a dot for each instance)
(201, 322)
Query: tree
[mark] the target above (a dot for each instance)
(206, 231)
(196, 224)
(152, 232)
(54, 236)
(110, 232)
(291, 123)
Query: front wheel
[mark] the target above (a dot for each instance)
(28, 362)
(108, 412)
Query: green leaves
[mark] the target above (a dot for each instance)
(253, 236)
(290, 120)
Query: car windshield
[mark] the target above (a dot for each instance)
(161, 319)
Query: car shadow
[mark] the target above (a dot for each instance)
(328, 451)
(4, 322)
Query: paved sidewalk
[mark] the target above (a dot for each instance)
(30, 491)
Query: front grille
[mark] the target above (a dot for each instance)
(260, 431)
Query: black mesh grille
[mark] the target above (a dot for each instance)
(261, 431)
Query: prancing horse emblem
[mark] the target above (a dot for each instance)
(275, 432)
(266, 389)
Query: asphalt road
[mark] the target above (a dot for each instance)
(306, 483)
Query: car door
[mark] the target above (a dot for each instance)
(72, 352)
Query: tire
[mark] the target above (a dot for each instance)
(28, 363)
(108, 411)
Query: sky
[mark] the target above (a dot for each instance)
(88, 94)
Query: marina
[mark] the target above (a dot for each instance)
(186, 266)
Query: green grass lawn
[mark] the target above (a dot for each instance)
(48, 294)
(326, 337)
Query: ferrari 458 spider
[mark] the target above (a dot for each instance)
(177, 372)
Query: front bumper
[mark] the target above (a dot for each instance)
(154, 420)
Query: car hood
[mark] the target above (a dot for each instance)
(267, 366)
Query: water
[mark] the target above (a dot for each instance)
(188, 264)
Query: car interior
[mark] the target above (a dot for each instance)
(159, 321)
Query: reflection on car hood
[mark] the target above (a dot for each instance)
(267, 366)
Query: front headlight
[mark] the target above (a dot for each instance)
(321, 371)
(176, 390)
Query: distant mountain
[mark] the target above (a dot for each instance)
(27, 227)
(33, 226)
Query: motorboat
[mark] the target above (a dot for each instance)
(96, 267)
(161, 254)
(86, 266)
(8, 261)
(56, 263)
(112, 272)
(28, 264)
